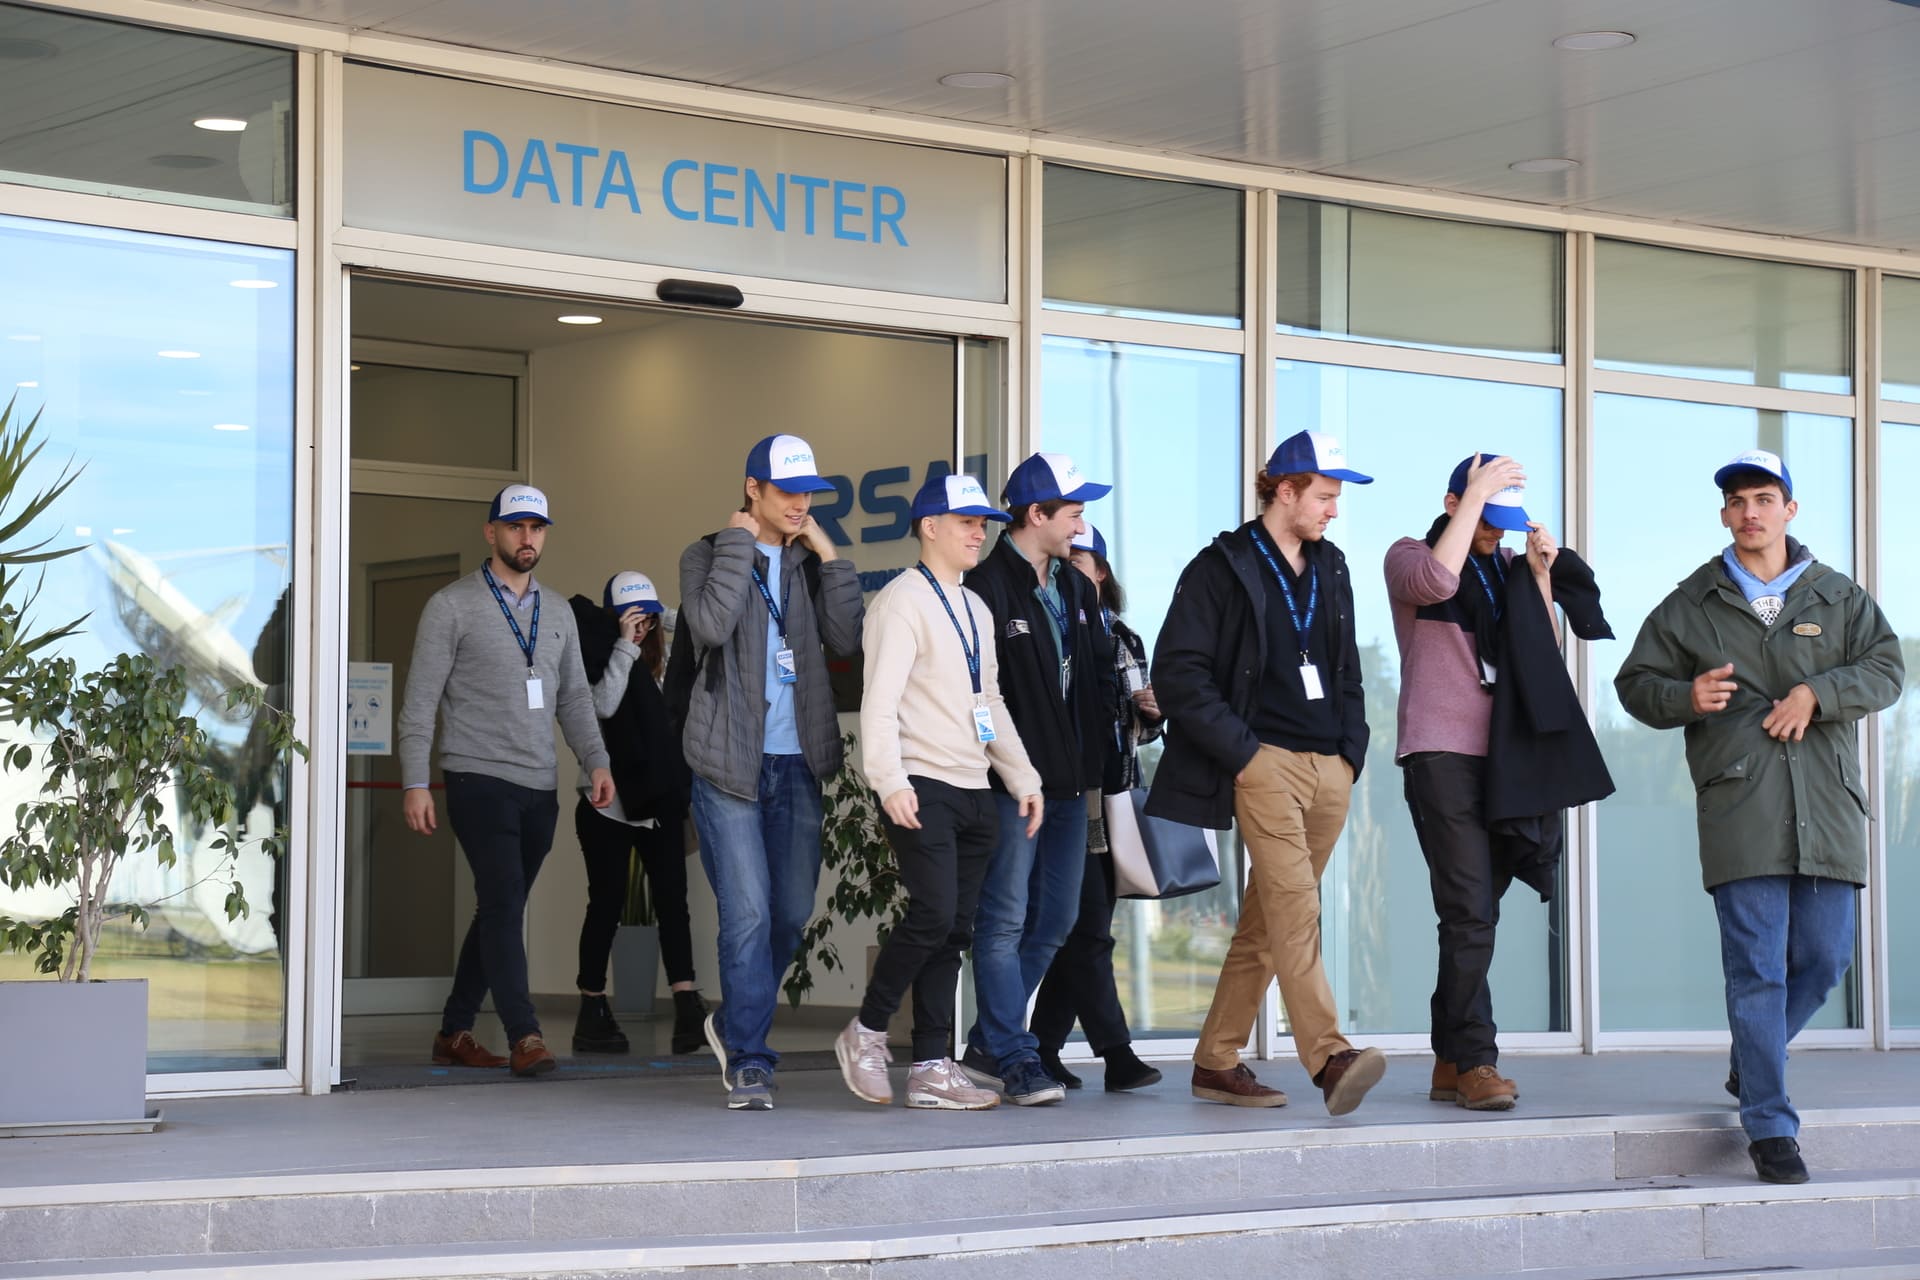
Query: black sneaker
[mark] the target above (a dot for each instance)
(1051, 1064)
(595, 1031)
(1125, 1070)
(1778, 1160)
(689, 1022)
(980, 1067)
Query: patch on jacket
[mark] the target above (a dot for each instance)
(1807, 629)
(1018, 627)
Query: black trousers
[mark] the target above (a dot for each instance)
(1079, 982)
(505, 831)
(942, 866)
(607, 845)
(1443, 790)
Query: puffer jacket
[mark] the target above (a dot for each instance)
(1766, 807)
(727, 619)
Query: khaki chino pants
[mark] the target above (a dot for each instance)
(1291, 806)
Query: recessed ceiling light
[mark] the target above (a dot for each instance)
(17, 49)
(254, 284)
(977, 80)
(178, 355)
(1594, 41)
(231, 426)
(123, 530)
(26, 384)
(178, 161)
(354, 368)
(1545, 164)
(220, 124)
(83, 530)
(579, 319)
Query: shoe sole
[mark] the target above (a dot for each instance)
(1275, 1099)
(1353, 1086)
(711, 1030)
(1498, 1102)
(750, 1104)
(1039, 1098)
(846, 1062)
(544, 1067)
(1443, 1095)
(932, 1102)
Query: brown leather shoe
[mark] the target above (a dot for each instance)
(1347, 1076)
(531, 1057)
(1446, 1083)
(1483, 1088)
(462, 1050)
(1236, 1088)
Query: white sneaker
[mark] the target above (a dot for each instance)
(943, 1086)
(864, 1056)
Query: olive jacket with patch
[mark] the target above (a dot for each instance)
(1766, 807)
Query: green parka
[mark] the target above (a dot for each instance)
(1766, 807)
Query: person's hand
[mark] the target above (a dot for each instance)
(600, 783)
(1712, 690)
(1143, 698)
(1791, 715)
(1488, 476)
(903, 808)
(632, 623)
(1541, 548)
(817, 540)
(744, 520)
(416, 805)
(1032, 808)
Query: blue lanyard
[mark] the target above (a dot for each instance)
(1059, 615)
(1486, 586)
(973, 654)
(1302, 624)
(526, 644)
(778, 611)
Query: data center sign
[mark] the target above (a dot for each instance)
(455, 160)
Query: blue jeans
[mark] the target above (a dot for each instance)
(763, 859)
(1027, 908)
(1784, 942)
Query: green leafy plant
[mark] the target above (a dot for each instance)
(109, 745)
(854, 850)
(18, 451)
(638, 907)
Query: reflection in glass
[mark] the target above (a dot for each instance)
(1419, 282)
(1900, 599)
(1723, 319)
(1141, 247)
(1408, 431)
(110, 108)
(1900, 339)
(1657, 519)
(185, 506)
(1163, 427)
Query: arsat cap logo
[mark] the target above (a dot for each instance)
(792, 458)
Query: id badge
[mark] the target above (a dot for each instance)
(1488, 675)
(783, 666)
(1310, 681)
(983, 724)
(536, 696)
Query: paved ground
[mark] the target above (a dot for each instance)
(638, 1119)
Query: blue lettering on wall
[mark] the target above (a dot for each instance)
(897, 506)
(775, 205)
(810, 185)
(889, 206)
(666, 190)
(845, 208)
(617, 179)
(576, 153)
(716, 194)
(828, 515)
(536, 168)
(471, 143)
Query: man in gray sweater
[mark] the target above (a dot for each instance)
(498, 670)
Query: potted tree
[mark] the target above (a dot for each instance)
(636, 946)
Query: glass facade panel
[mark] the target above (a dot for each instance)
(1722, 319)
(1163, 427)
(1900, 339)
(1141, 247)
(1654, 523)
(154, 115)
(1419, 282)
(1377, 916)
(1900, 597)
(429, 416)
(174, 390)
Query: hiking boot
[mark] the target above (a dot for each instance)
(1347, 1076)
(1483, 1088)
(1236, 1088)
(1446, 1083)
(863, 1057)
(1051, 1064)
(1125, 1071)
(751, 1090)
(595, 1031)
(1027, 1083)
(711, 1030)
(531, 1057)
(943, 1086)
(461, 1050)
(980, 1067)
(689, 1019)
(1778, 1160)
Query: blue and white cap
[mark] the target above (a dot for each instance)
(1503, 509)
(959, 495)
(786, 462)
(630, 590)
(1051, 477)
(1315, 452)
(1755, 460)
(519, 502)
(1089, 539)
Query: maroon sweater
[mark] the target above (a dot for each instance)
(1442, 706)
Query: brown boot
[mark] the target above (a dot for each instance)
(1446, 1078)
(461, 1050)
(1483, 1088)
(1236, 1088)
(1347, 1076)
(531, 1057)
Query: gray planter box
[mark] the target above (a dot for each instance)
(88, 1058)
(636, 968)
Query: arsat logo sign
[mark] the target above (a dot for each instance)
(885, 493)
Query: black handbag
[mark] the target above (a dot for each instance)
(1153, 857)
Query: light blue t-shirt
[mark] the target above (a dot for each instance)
(783, 733)
(1766, 598)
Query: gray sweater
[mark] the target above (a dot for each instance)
(468, 667)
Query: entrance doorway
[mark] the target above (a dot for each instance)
(635, 421)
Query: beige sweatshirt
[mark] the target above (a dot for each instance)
(916, 707)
